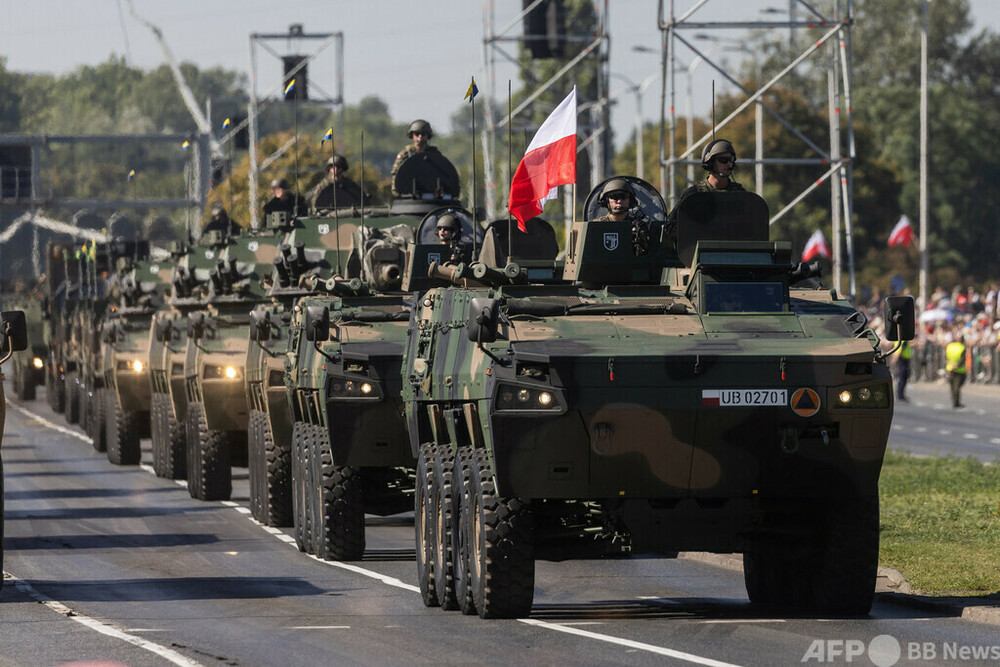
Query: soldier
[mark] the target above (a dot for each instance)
(449, 232)
(340, 191)
(618, 197)
(420, 131)
(954, 355)
(719, 160)
(221, 221)
(282, 199)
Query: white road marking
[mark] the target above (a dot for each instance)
(971, 436)
(318, 627)
(628, 643)
(101, 626)
(371, 574)
(921, 429)
(744, 620)
(45, 422)
(995, 441)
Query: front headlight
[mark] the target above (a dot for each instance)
(219, 372)
(134, 365)
(37, 363)
(344, 388)
(535, 399)
(137, 366)
(866, 396)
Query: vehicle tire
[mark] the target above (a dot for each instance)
(461, 487)
(208, 450)
(72, 412)
(314, 492)
(269, 465)
(340, 522)
(423, 524)
(169, 439)
(1, 521)
(122, 433)
(299, 499)
(24, 385)
(57, 394)
(501, 559)
(772, 579)
(442, 512)
(98, 420)
(841, 577)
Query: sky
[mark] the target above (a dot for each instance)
(418, 56)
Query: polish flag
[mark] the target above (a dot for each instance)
(902, 233)
(549, 162)
(816, 245)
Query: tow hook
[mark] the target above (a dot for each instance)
(790, 440)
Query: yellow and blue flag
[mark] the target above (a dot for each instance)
(473, 90)
(226, 123)
(290, 87)
(186, 145)
(131, 174)
(327, 137)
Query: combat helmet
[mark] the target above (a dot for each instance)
(449, 221)
(714, 148)
(617, 185)
(279, 183)
(420, 125)
(338, 161)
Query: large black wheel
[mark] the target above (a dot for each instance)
(300, 500)
(98, 420)
(340, 522)
(169, 439)
(208, 458)
(269, 465)
(122, 432)
(501, 559)
(423, 523)
(461, 484)
(24, 384)
(72, 412)
(56, 392)
(443, 513)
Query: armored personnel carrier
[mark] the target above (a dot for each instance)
(27, 367)
(215, 357)
(13, 337)
(350, 454)
(662, 396)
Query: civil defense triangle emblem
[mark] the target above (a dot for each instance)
(610, 240)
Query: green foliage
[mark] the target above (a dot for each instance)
(940, 523)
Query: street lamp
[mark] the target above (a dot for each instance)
(637, 90)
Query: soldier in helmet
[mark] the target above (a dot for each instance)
(719, 160)
(449, 232)
(220, 221)
(339, 191)
(420, 132)
(283, 199)
(618, 197)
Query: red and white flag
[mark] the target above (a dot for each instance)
(816, 245)
(549, 162)
(902, 233)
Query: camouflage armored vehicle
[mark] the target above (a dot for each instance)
(13, 337)
(62, 290)
(655, 400)
(215, 359)
(27, 367)
(168, 349)
(350, 454)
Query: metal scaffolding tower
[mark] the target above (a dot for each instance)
(829, 42)
(581, 51)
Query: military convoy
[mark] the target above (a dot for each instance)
(659, 387)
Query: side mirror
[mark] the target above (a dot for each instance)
(14, 331)
(260, 326)
(898, 316)
(317, 323)
(482, 327)
(196, 325)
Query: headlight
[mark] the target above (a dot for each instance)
(134, 365)
(37, 362)
(215, 372)
(511, 397)
(344, 388)
(137, 366)
(867, 396)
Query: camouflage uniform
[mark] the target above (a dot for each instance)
(286, 204)
(348, 194)
(401, 157)
(701, 186)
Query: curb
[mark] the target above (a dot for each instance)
(890, 586)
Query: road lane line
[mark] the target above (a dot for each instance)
(100, 626)
(628, 643)
(45, 422)
(397, 583)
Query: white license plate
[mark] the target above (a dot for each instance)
(744, 397)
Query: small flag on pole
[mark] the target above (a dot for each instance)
(290, 87)
(186, 145)
(473, 90)
(226, 123)
(902, 233)
(327, 137)
(816, 245)
(131, 174)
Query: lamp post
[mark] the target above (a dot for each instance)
(637, 89)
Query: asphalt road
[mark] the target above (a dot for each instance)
(926, 424)
(113, 564)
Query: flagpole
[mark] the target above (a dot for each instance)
(336, 207)
(510, 175)
(475, 221)
(295, 113)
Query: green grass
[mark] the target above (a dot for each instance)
(941, 523)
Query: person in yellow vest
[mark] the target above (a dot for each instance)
(903, 370)
(954, 355)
